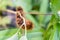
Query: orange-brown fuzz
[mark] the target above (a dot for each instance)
(19, 20)
(29, 25)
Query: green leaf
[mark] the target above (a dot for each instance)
(43, 10)
(8, 33)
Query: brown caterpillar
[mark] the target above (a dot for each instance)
(19, 20)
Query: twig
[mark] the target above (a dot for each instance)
(34, 13)
(24, 23)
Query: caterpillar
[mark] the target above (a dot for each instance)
(19, 20)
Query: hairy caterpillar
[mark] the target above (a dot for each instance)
(19, 20)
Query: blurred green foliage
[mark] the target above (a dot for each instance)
(46, 28)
